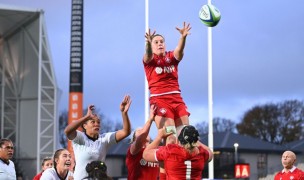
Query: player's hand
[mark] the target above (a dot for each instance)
(149, 36)
(153, 108)
(185, 30)
(125, 104)
(90, 113)
(163, 133)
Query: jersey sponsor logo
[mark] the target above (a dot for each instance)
(158, 70)
(149, 164)
(165, 69)
(163, 110)
(143, 162)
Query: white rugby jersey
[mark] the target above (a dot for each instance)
(87, 150)
(51, 174)
(7, 171)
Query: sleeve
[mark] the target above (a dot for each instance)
(79, 139)
(46, 175)
(111, 138)
(108, 138)
(37, 177)
(301, 173)
(161, 154)
(205, 153)
(171, 56)
(277, 176)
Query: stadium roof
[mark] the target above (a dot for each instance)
(226, 140)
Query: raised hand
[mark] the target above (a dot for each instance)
(90, 112)
(125, 104)
(184, 31)
(153, 108)
(149, 36)
(163, 133)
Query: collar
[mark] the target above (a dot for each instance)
(290, 170)
(59, 175)
(159, 56)
(5, 161)
(91, 138)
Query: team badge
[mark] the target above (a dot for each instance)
(168, 60)
(163, 110)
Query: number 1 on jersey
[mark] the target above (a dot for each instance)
(188, 169)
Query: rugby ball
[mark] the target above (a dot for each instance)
(209, 15)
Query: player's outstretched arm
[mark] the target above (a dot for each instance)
(148, 54)
(70, 130)
(208, 149)
(149, 152)
(126, 127)
(179, 50)
(142, 134)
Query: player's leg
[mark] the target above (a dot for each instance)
(181, 122)
(164, 118)
(169, 123)
(181, 114)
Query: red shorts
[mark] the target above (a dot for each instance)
(170, 106)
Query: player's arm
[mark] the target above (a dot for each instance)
(149, 152)
(126, 127)
(70, 130)
(148, 53)
(143, 133)
(179, 50)
(208, 149)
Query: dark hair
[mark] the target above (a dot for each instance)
(56, 156)
(4, 140)
(188, 135)
(158, 35)
(45, 159)
(82, 125)
(97, 170)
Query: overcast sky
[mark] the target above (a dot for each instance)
(258, 52)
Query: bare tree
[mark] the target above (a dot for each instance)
(223, 125)
(63, 122)
(219, 125)
(277, 123)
